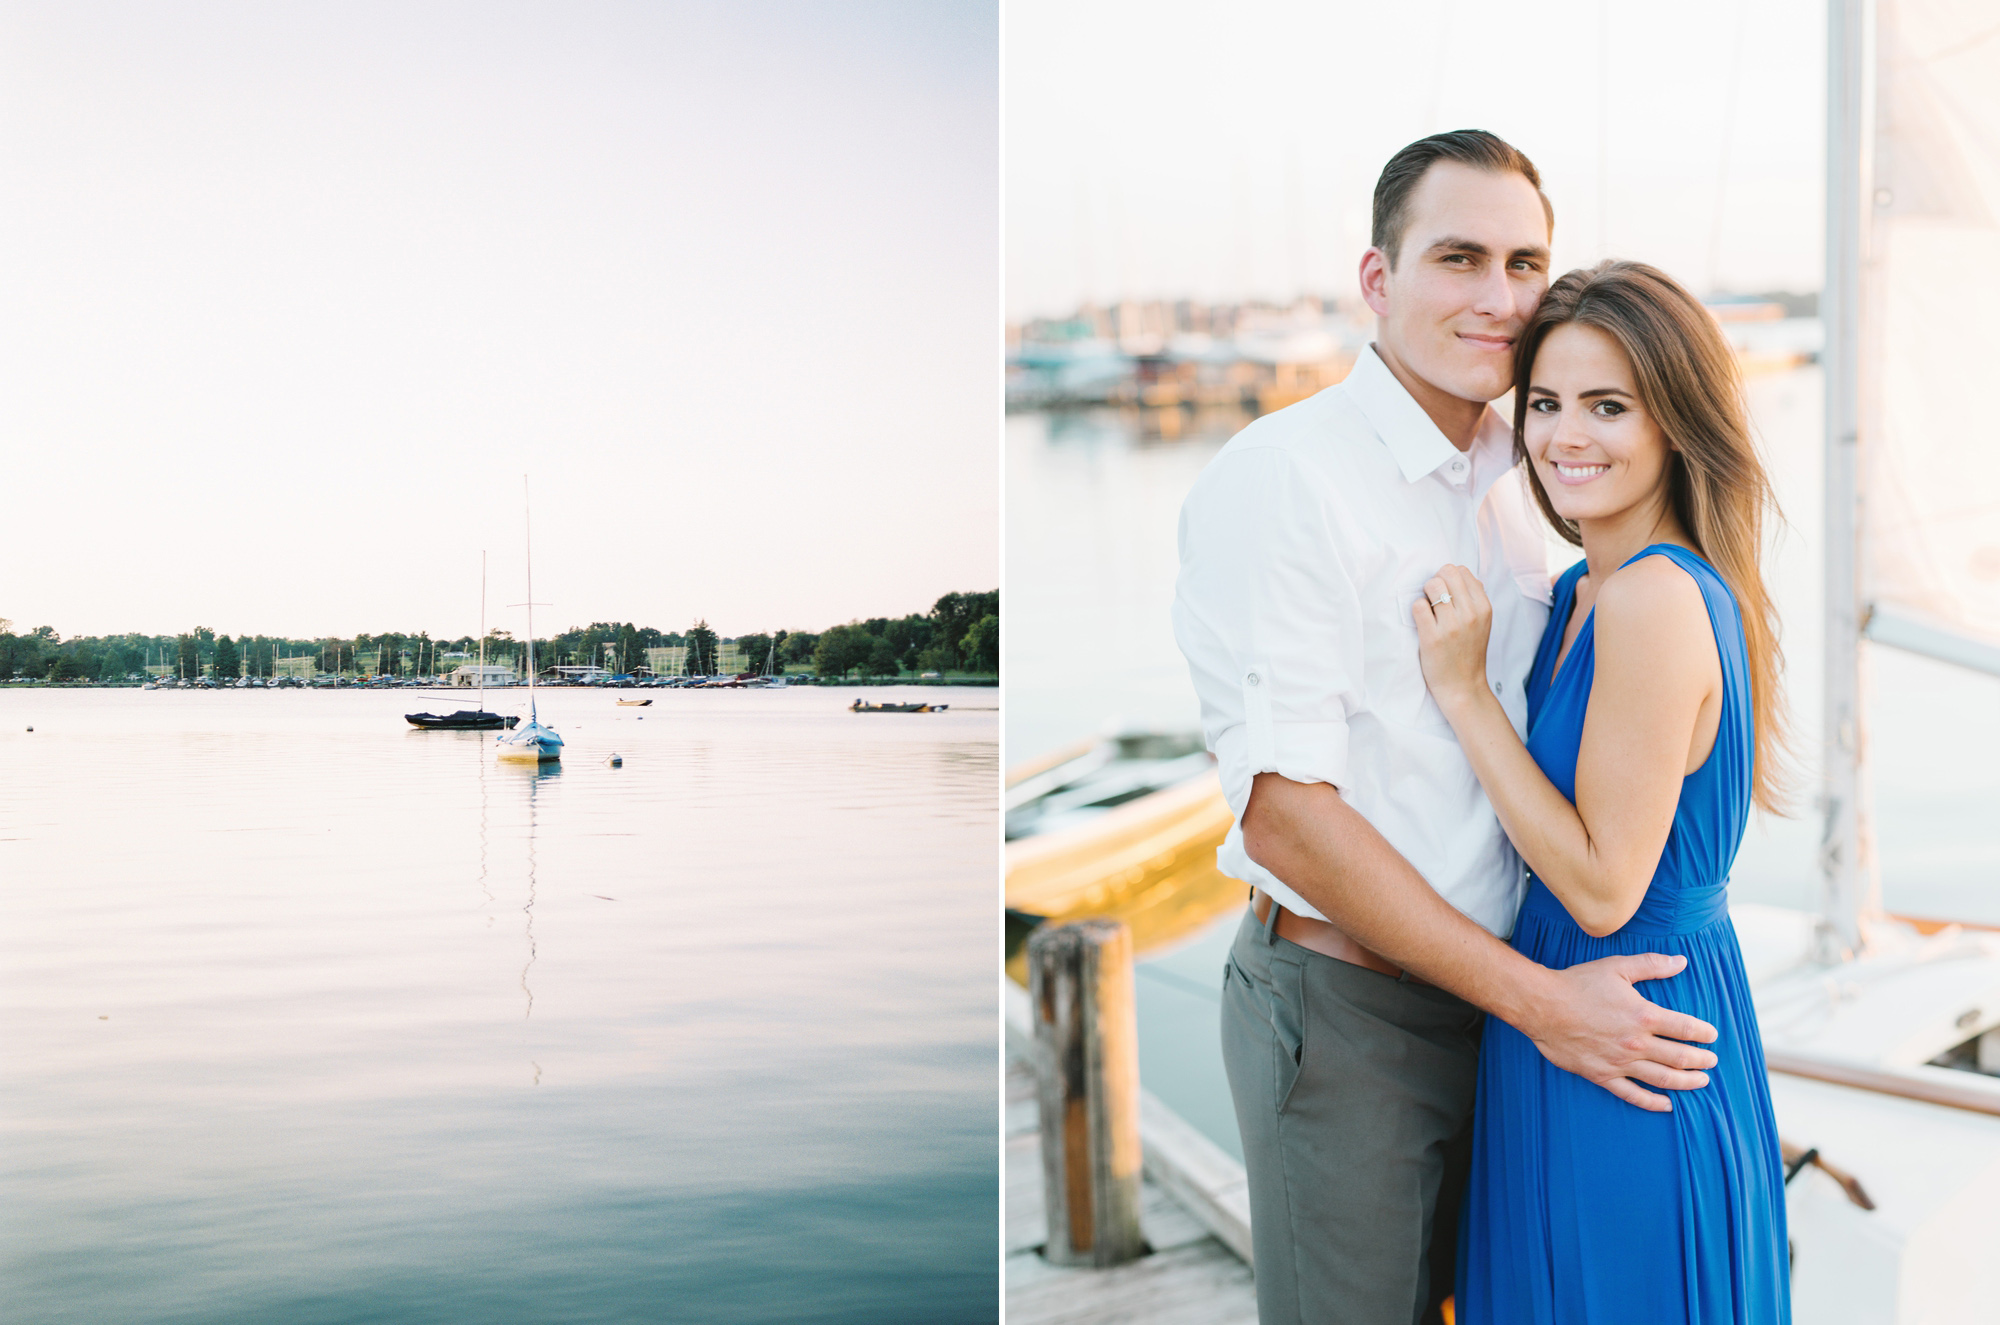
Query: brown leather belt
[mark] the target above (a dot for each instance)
(1326, 939)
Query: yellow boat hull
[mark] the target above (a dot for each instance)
(1149, 862)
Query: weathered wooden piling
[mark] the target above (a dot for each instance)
(1087, 1069)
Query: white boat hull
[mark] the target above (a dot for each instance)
(1924, 1253)
(532, 743)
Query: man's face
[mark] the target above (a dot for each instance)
(1473, 263)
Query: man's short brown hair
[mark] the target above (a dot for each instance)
(1471, 147)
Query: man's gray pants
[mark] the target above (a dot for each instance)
(1353, 1092)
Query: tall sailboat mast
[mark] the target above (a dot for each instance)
(533, 741)
(528, 545)
(1847, 871)
(482, 630)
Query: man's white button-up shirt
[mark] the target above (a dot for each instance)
(1304, 545)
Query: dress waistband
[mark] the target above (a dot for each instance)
(1665, 910)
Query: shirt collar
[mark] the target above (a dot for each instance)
(1416, 443)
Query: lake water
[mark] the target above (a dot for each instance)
(1092, 504)
(315, 1018)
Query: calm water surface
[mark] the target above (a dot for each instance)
(1092, 506)
(315, 1018)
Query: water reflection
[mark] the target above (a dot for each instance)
(537, 775)
(1140, 428)
(486, 891)
(305, 1104)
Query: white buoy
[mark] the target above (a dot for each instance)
(615, 762)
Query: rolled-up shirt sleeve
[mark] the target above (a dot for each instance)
(1267, 617)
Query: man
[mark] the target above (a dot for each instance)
(1383, 886)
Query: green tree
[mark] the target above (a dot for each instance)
(187, 657)
(20, 655)
(911, 635)
(756, 648)
(631, 649)
(798, 646)
(228, 662)
(701, 646)
(881, 660)
(955, 614)
(842, 649)
(981, 645)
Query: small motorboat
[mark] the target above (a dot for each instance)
(633, 703)
(859, 707)
(465, 720)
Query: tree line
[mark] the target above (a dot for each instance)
(960, 634)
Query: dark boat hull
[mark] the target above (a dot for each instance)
(465, 720)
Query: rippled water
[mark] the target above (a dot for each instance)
(315, 1018)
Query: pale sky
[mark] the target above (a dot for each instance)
(1160, 149)
(291, 296)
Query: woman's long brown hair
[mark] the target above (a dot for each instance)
(1688, 380)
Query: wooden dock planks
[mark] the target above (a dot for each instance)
(1190, 1277)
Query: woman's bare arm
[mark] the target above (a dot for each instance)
(1655, 668)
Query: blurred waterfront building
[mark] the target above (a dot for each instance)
(470, 674)
(1169, 358)
(673, 660)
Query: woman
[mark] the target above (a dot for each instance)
(1653, 727)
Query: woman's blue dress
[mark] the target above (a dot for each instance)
(1583, 1209)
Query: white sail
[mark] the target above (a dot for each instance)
(1930, 333)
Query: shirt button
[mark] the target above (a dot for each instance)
(1250, 679)
(1458, 466)
(1499, 686)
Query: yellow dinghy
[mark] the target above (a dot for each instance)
(1149, 861)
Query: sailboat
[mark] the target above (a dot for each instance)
(1883, 1033)
(772, 679)
(533, 742)
(465, 720)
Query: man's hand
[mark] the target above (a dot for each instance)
(1592, 1022)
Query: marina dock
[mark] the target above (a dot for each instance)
(1194, 1211)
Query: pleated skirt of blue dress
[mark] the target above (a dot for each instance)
(1586, 1210)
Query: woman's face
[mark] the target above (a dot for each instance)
(1592, 442)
